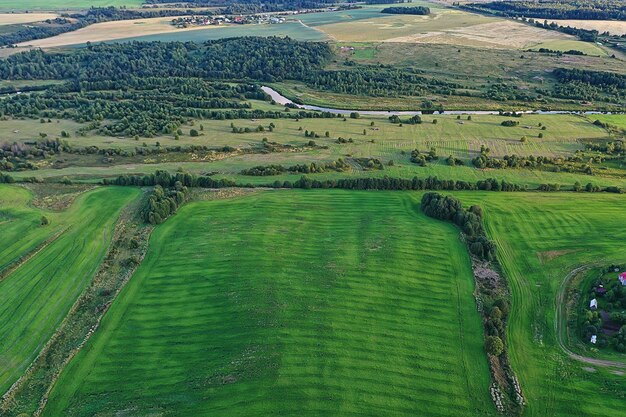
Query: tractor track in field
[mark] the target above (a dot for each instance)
(559, 318)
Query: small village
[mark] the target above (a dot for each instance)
(605, 315)
(258, 18)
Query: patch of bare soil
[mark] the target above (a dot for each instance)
(553, 254)
(56, 197)
(219, 193)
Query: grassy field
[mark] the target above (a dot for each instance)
(160, 29)
(563, 136)
(20, 225)
(569, 44)
(618, 120)
(442, 26)
(36, 297)
(290, 303)
(541, 238)
(28, 5)
(614, 27)
(18, 18)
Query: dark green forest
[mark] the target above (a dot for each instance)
(557, 9)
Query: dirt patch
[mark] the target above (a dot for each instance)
(56, 197)
(220, 193)
(552, 254)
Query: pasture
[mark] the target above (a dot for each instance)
(37, 295)
(540, 239)
(160, 29)
(442, 26)
(614, 27)
(462, 139)
(290, 303)
(29, 5)
(19, 18)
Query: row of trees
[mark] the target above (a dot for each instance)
(165, 179)
(339, 165)
(557, 9)
(163, 202)
(492, 294)
(417, 10)
(470, 221)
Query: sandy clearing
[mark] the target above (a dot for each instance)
(613, 26)
(112, 30)
(17, 18)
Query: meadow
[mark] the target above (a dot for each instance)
(17, 18)
(540, 239)
(462, 139)
(614, 27)
(36, 296)
(307, 303)
(50, 5)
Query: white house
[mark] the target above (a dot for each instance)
(593, 339)
(593, 304)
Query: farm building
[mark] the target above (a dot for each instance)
(601, 290)
(593, 339)
(622, 278)
(593, 304)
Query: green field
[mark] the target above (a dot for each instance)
(541, 238)
(36, 296)
(292, 29)
(564, 135)
(20, 225)
(64, 4)
(290, 303)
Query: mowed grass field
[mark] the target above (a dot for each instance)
(20, 225)
(290, 303)
(27, 5)
(541, 238)
(35, 297)
(614, 27)
(17, 18)
(443, 26)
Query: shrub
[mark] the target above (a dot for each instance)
(494, 345)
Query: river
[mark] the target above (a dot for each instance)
(280, 99)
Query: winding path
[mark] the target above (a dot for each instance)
(559, 318)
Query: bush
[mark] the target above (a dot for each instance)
(193, 133)
(44, 221)
(494, 345)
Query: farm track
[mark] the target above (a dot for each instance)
(560, 318)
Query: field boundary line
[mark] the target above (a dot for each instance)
(561, 315)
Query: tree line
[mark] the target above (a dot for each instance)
(339, 165)
(163, 202)
(492, 293)
(556, 9)
(416, 10)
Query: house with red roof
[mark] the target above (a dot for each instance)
(622, 278)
